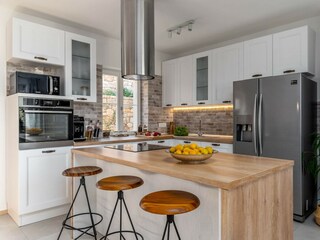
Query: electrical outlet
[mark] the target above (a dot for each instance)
(162, 125)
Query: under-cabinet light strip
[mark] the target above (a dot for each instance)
(214, 107)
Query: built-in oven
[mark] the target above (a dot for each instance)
(45, 123)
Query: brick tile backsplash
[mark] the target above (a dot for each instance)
(213, 121)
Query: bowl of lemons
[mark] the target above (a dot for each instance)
(191, 153)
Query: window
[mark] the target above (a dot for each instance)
(120, 103)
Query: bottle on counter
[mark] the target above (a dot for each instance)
(89, 130)
(96, 129)
(140, 128)
(145, 128)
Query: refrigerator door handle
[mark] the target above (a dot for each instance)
(254, 127)
(260, 125)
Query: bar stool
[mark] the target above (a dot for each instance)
(170, 203)
(120, 183)
(82, 172)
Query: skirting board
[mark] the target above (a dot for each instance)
(3, 212)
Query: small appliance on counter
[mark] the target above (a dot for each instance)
(23, 82)
(78, 128)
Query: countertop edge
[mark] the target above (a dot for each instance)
(224, 139)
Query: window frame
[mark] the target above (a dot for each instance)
(120, 106)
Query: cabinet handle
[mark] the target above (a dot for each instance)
(186, 142)
(228, 101)
(169, 105)
(289, 71)
(40, 58)
(184, 104)
(201, 103)
(257, 75)
(49, 151)
(81, 98)
(215, 144)
(161, 141)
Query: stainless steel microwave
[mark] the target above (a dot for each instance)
(23, 82)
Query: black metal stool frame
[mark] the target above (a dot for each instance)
(122, 202)
(83, 230)
(170, 220)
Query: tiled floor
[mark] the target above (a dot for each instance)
(49, 230)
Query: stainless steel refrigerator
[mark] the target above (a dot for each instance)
(275, 117)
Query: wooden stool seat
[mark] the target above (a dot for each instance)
(169, 202)
(119, 183)
(81, 171)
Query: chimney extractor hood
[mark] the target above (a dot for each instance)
(137, 39)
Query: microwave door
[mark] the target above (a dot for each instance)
(42, 85)
(24, 85)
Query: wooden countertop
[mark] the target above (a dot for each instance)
(112, 140)
(222, 170)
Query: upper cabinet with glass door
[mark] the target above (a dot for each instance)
(202, 78)
(81, 68)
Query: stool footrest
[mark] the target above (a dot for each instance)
(69, 227)
(123, 231)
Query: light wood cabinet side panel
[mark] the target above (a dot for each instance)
(260, 210)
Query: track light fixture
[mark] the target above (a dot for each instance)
(178, 29)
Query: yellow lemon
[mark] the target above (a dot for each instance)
(193, 146)
(172, 149)
(185, 153)
(178, 152)
(209, 149)
(205, 151)
(179, 147)
(192, 152)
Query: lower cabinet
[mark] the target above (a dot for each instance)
(36, 189)
(42, 185)
(220, 147)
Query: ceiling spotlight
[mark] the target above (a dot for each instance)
(178, 28)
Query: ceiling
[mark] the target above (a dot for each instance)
(216, 20)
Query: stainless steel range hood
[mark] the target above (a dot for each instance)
(137, 39)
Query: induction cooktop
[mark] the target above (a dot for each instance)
(137, 147)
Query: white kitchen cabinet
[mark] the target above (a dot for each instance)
(80, 70)
(170, 76)
(42, 185)
(202, 78)
(258, 57)
(294, 51)
(167, 142)
(185, 82)
(220, 147)
(35, 42)
(227, 67)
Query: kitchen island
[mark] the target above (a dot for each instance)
(242, 197)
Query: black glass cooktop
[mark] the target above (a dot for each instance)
(137, 147)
